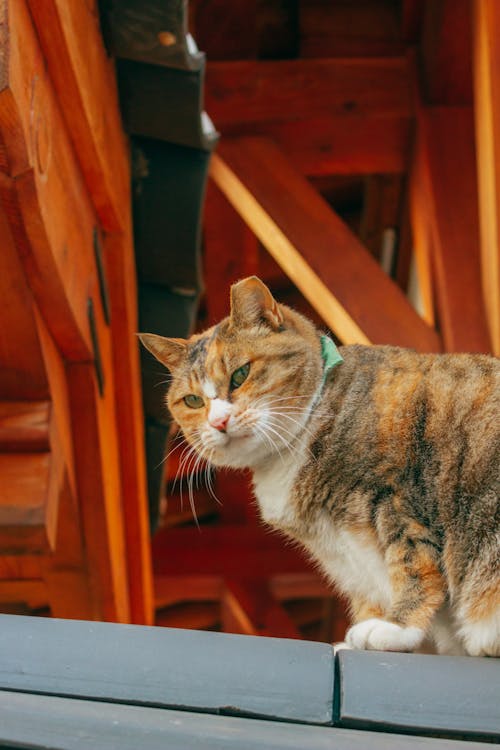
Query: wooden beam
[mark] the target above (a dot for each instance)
(84, 80)
(446, 53)
(487, 110)
(347, 144)
(24, 426)
(447, 140)
(120, 273)
(249, 607)
(216, 550)
(171, 589)
(22, 374)
(319, 253)
(257, 91)
(367, 29)
(46, 201)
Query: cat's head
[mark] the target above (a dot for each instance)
(241, 391)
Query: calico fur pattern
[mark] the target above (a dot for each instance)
(388, 473)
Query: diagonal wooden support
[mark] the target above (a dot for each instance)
(249, 607)
(319, 253)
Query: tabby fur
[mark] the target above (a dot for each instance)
(387, 471)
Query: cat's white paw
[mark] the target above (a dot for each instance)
(340, 646)
(380, 635)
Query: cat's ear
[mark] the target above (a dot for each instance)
(170, 352)
(252, 303)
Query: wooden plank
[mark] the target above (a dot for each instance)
(170, 589)
(299, 586)
(487, 111)
(168, 667)
(316, 249)
(47, 204)
(84, 81)
(257, 91)
(26, 521)
(452, 209)
(214, 549)
(31, 592)
(120, 271)
(65, 569)
(446, 53)
(190, 615)
(99, 489)
(44, 721)
(22, 373)
(249, 607)
(376, 693)
(367, 29)
(348, 144)
(24, 426)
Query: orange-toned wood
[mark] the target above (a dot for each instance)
(447, 140)
(65, 569)
(192, 615)
(120, 271)
(31, 592)
(47, 203)
(319, 253)
(421, 229)
(349, 144)
(24, 426)
(20, 566)
(257, 91)
(248, 607)
(446, 53)
(173, 589)
(22, 373)
(84, 81)
(27, 515)
(486, 47)
(98, 478)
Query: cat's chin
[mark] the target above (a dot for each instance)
(240, 452)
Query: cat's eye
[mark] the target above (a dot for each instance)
(239, 376)
(193, 401)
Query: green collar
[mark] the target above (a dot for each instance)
(330, 355)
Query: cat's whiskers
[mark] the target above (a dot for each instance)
(274, 447)
(295, 436)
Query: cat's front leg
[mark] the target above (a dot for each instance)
(418, 592)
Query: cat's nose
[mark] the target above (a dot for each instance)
(220, 422)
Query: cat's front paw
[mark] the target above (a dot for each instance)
(380, 635)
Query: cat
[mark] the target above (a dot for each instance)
(383, 463)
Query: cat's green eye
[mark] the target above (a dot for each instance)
(239, 376)
(193, 401)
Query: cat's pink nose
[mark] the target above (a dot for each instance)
(220, 422)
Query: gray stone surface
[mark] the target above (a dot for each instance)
(422, 694)
(219, 673)
(38, 721)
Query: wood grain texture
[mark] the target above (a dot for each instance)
(377, 692)
(120, 267)
(257, 91)
(84, 81)
(316, 249)
(344, 144)
(46, 201)
(486, 50)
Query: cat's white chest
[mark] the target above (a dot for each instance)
(273, 487)
(353, 562)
